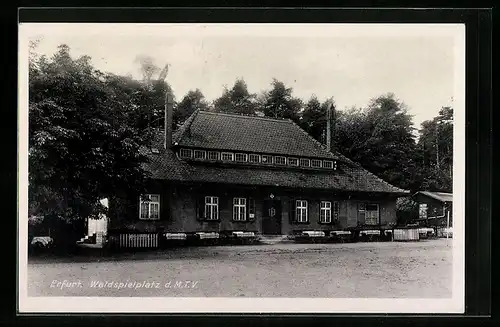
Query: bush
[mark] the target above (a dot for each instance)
(406, 211)
(64, 233)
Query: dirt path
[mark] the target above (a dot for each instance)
(402, 270)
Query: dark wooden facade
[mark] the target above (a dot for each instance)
(437, 209)
(273, 208)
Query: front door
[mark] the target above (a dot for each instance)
(271, 218)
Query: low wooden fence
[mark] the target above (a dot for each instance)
(138, 240)
(406, 234)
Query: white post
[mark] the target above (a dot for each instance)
(447, 223)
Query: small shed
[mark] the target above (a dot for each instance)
(435, 208)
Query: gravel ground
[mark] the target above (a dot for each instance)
(378, 270)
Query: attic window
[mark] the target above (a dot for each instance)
(186, 153)
(267, 159)
(241, 157)
(327, 164)
(200, 154)
(227, 156)
(254, 158)
(155, 150)
(305, 162)
(293, 161)
(316, 163)
(213, 155)
(280, 160)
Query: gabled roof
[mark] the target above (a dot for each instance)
(440, 196)
(234, 132)
(256, 134)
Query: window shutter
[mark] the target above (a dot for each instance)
(291, 212)
(166, 206)
(309, 208)
(200, 208)
(361, 213)
(251, 209)
(319, 212)
(335, 211)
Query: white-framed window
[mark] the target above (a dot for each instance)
(213, 155)
(200, 154)
(371, 214)
(301, 211)
(239, 209)
(325, 212)
(227, 156)
(280, 160)
(241, 157)
(149, 207)
(305, 162)
(254, 158)
(316, 163)
(422, 210)
(267, 159)
(211, 207)
(293, 161)
(186, 153)
(327, 164)
(155, 150)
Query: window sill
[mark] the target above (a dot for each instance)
(144, 219)
(329, 223)
(210, 220)
(301, 222)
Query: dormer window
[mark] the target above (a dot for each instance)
(280, 160)
(241, 157)
(227, 156)
(316, 163)
(267, 159)
(255, 158)
(200, 154)
(305, 162)
(327, 164)
(213, 155)
(293, 161)
(186, 153)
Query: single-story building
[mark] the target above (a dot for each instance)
(228, 173)
(435, 209)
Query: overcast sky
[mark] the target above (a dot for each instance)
(352, 63)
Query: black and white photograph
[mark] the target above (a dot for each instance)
(241, 168)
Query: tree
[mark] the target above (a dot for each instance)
(436, 148)
(279, 102)
(148, 67)
(381, 139)
(86, 129)
(236, 100)
(313, 118)
(153, 91)
(192, 101)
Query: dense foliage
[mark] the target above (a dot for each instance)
(85, 130)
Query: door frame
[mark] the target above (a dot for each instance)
(271, 203)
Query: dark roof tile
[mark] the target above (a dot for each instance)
(233, 132)
(211, 130)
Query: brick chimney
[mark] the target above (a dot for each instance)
(330, 127)
(169, 108)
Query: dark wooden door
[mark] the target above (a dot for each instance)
(271, 217)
